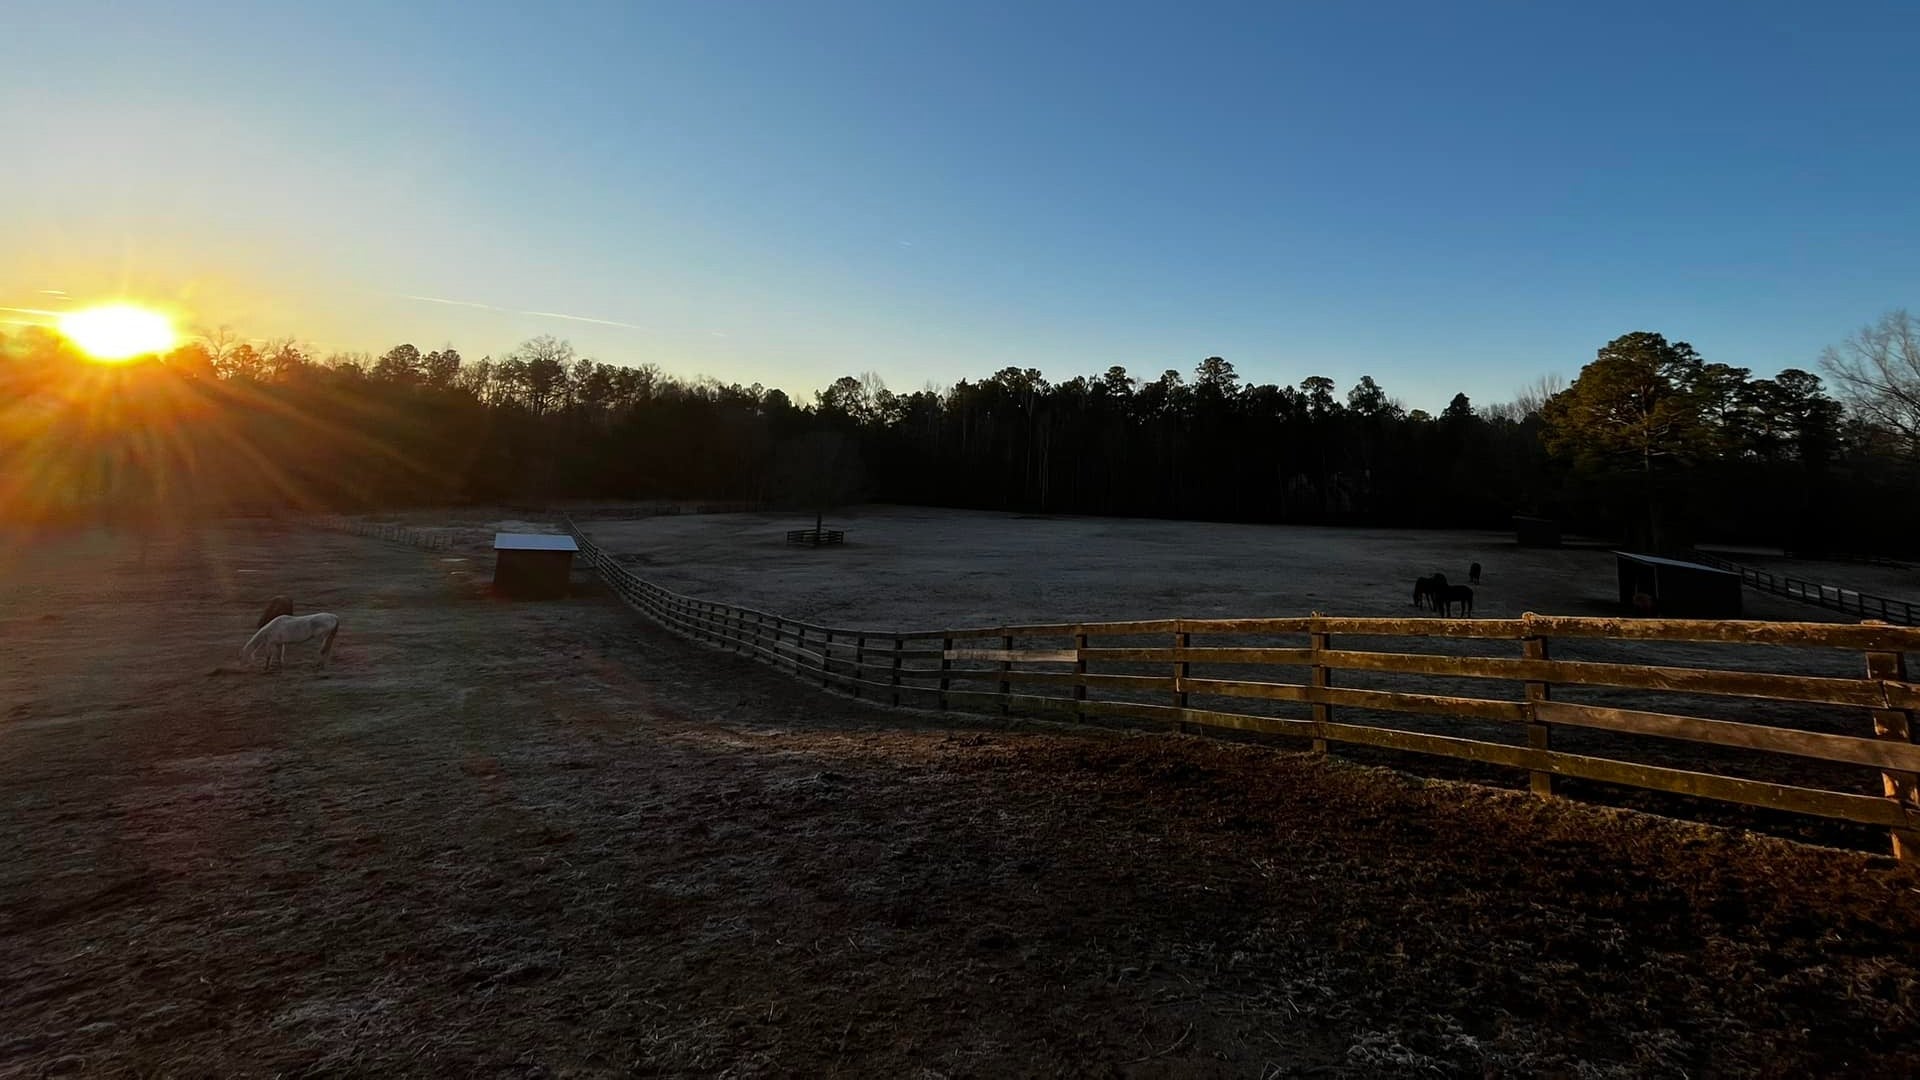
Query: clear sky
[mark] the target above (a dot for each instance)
(1446, 196)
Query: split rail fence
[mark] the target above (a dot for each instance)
(1068, 669)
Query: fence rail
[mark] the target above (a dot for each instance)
(1831, 597)
(1050, 669)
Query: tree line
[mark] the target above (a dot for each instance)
(1652, 442)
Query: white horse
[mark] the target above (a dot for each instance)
(285, 630)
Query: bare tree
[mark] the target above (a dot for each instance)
(1531, 398)
(1878, 373)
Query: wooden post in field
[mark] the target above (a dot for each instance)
(1180, 640)
(1006, 688)
(899, 644)
(1538, 734)
(1896, 725)
(1079, 669)
(946, 665)
(859, 663)
(1322, 678)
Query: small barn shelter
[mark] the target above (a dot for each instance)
(1683, 589)
(532, 566)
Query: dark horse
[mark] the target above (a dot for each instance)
(1473, 574)
(1423, 592)
(1448, 595)
(276, 607)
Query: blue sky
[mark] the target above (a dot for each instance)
(1447, 197)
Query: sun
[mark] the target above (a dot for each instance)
(117, 332)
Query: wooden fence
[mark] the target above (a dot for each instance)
(398, 534)
(1068, 670)
(1831, 597)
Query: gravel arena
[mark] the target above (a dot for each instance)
(550, 839)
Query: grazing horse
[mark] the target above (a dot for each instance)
(1473, 574)
(1448, 595)
(285, 630)
(1426, 590)
(277, 606)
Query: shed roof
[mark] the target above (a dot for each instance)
(533, 542)
(1656, 560)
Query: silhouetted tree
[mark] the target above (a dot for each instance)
(1878, 371)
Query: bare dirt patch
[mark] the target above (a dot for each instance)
(546, 839)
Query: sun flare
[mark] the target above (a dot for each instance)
(117, 332)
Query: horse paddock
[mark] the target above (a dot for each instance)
(547, 839)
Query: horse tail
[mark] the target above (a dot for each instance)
(258, 639)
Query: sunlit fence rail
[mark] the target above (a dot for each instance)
(398, 534)
(1229, 674)
(1831, 597)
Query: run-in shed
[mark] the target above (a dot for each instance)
(1684, 589)
(532, 566)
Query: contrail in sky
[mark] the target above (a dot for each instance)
(519, 311)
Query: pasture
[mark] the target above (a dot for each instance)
(548, 839)
(917, 569)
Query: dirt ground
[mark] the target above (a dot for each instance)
(549, 840)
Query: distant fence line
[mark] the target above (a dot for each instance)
(979, 669)
(1831, 597)
(399, 534)
(629, 513)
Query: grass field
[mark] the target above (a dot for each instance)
(549, 840)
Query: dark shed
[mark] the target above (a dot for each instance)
(1684, 589)
(532, 566)
(1536, 531)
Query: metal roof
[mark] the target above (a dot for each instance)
(533, 542)
(1655, 560)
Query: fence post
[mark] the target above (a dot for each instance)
(946, 665)
(826, 656)
(1322, 678)
(899, 643)
(1006, 688)
(859, 663)
(1180, 640)
(1896, 725)
(1079, 671)
(1538, 734)
(799, 644)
